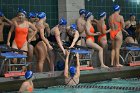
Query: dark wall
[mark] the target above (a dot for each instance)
(50, 7)
(127, 7)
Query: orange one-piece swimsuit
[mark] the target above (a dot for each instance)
(92, 31)
(113, 33)
(102, 35)
(20, 36)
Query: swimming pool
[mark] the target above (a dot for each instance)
(115, 85)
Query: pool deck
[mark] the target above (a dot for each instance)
(46, 79)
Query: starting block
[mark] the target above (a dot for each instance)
(131, 52)
(85, 58)
(136, 63)
(86, 68)
(8, 57)
(14, 73)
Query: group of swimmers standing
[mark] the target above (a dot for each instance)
(34, 35)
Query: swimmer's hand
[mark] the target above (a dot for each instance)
(71, 47)
(126, 33)
(67, 52)
(64, 52)
(8, 43)
(98, 33)
(77, 55)
(29, 41)
(50, 47)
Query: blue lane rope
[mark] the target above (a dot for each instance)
(100, 87)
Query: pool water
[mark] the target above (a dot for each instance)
(133, 82)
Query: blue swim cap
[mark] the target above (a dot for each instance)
(1, 14)
(82, 11)
(41, 15)
(88, 14)
(72, 71)
(102, 14)
(32, 15)
(116, 7)
(20, 10)
(62, 21)
(28, 74)
(73, 26)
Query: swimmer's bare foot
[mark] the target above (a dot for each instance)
(119, 65)
(104, 66)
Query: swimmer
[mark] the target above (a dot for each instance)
(27, 86)
(90, 41)
(81, 27)
(116, 23)
(72, 34)
(72, 73)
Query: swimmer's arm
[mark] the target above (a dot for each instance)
(122, 22)
(94, 21)
(127, 24)
(57, 36)
(76, 36)
(47, 29)
(97, 33)
(41, 30)
(125, 31)
(34, 29)
(78, 24)
(8, 22)
(108, 31)
(78, 65)
(103, 30)
(66, 35)
(9, 34)
(66, 65)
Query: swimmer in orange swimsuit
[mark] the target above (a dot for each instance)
(116, 23)
(102, 39)
(27, 86)
(20, 26)
(90, 37)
